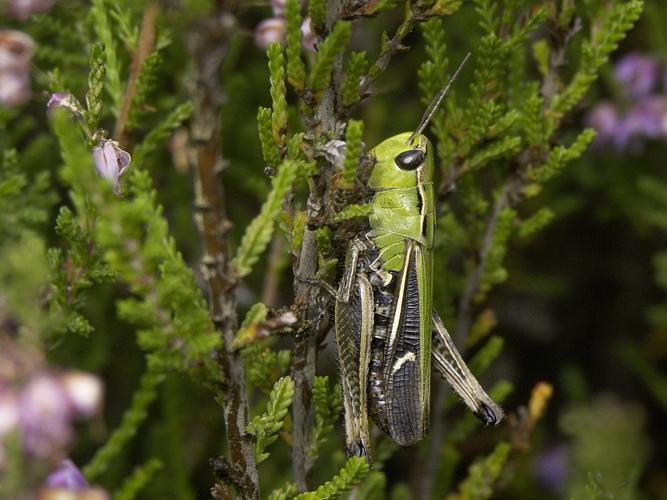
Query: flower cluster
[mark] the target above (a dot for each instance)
(41, 405)
(643, 113)
(274, 30)
(16, 51)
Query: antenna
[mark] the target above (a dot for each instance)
(435, 103)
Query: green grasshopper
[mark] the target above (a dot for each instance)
(387, 332)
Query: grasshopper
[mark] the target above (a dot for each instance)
(387, 332)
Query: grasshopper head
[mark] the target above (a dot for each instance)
(401, 164)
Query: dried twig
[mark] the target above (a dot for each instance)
(209, 46)
(145, 46)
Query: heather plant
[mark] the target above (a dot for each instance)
(178, 190)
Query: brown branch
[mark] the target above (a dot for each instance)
(145, 46)
(272, 280)
(209, 46)
(309, 298)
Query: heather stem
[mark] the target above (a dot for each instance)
(209, 46)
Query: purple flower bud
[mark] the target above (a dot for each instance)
(604, 119)
(44, 414)
(84, 392)
(551, 468)
(638, 74)
(64, 100)
(67, 476)
(308, 39)
(270, 31)
(23, 9)
(111, 162)
(278, 7)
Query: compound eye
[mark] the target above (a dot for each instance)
(410, 160)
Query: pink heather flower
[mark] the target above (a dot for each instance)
(64, 100)
(278, 7)
(308, 38)
(638, 74)
(16, 50)
(14, 88)
(270, 31)
(9, 411)
(111, 162)
(84, 392)
(67, 476)
(44, 417)
(23, 9)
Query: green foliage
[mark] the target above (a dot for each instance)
(561, 156)
(536, 222)
(356, 66)
(24, 202)
(278, 91)
(354, 470)
(96, 78)
(265, 428)
(264, 365)
(329, 50)
(353, 136)
(285, 493)
(433, 70)
(352, 212)
(493, 271)
(74, 271)
(483, 474)
(105, 32)
(133, 417)
(296, 70)
(159, 275)
(317, 13)
(328, 404)
(614, 21)
(162, 131)
(146, 85)
(486, 355)
(607, 446)
(253, 317)
(270, 151)
(502, 148)
(140, 477)
(259, 232)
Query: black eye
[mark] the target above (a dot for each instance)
(410, 159)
